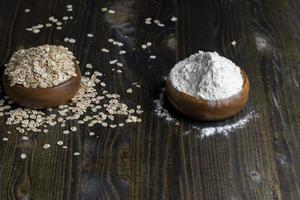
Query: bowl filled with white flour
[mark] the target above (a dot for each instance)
(42, 77)
(207, 86)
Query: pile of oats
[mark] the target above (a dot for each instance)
(40, 67)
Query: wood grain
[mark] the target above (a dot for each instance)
(157, 159)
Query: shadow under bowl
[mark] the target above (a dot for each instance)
(204, 110)
(40, 98)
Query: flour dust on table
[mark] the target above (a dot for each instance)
(162, 111)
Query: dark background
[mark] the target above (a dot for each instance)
(156, 159)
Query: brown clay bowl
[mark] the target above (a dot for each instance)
(40, 98)
(204, 110)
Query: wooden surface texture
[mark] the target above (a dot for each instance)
(160, 159)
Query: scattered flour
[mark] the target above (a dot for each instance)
(207, 75)
(261, 42)
(161, 111)
(224, 130)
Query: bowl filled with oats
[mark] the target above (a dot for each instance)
(42, 77)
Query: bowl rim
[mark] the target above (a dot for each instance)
(72, 78)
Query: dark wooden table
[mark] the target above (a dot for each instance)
(156, 159)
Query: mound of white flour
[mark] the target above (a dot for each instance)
(207, 75)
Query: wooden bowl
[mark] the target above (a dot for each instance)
(204, 110)
(40, 98)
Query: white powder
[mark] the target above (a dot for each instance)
(224, 130)
(162, 112)
(207, 75)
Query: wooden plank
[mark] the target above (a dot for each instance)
(279, 69)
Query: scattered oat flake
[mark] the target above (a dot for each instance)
(148, 20)
(23, 156)
(66, 39)
(66, 132)
(148, 44)
(89, 66)
(129, 90)
(152, 56)
(234, 43)
(174, 19)
(91, 133)
(48, 24)
(111, 11)
(58, 27)
(74, 128)
(76, 153)
(122, 52)
(25, 138)
(120, 64)
(59, 142)
(90, 35)
(112, 62)
(104, 50)
(144, 46)
(27, 10)
(71, 40)
(36, 30)
(46, 146)
(5, 139)
(120, 44)
(52, 19)
(104, 9)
